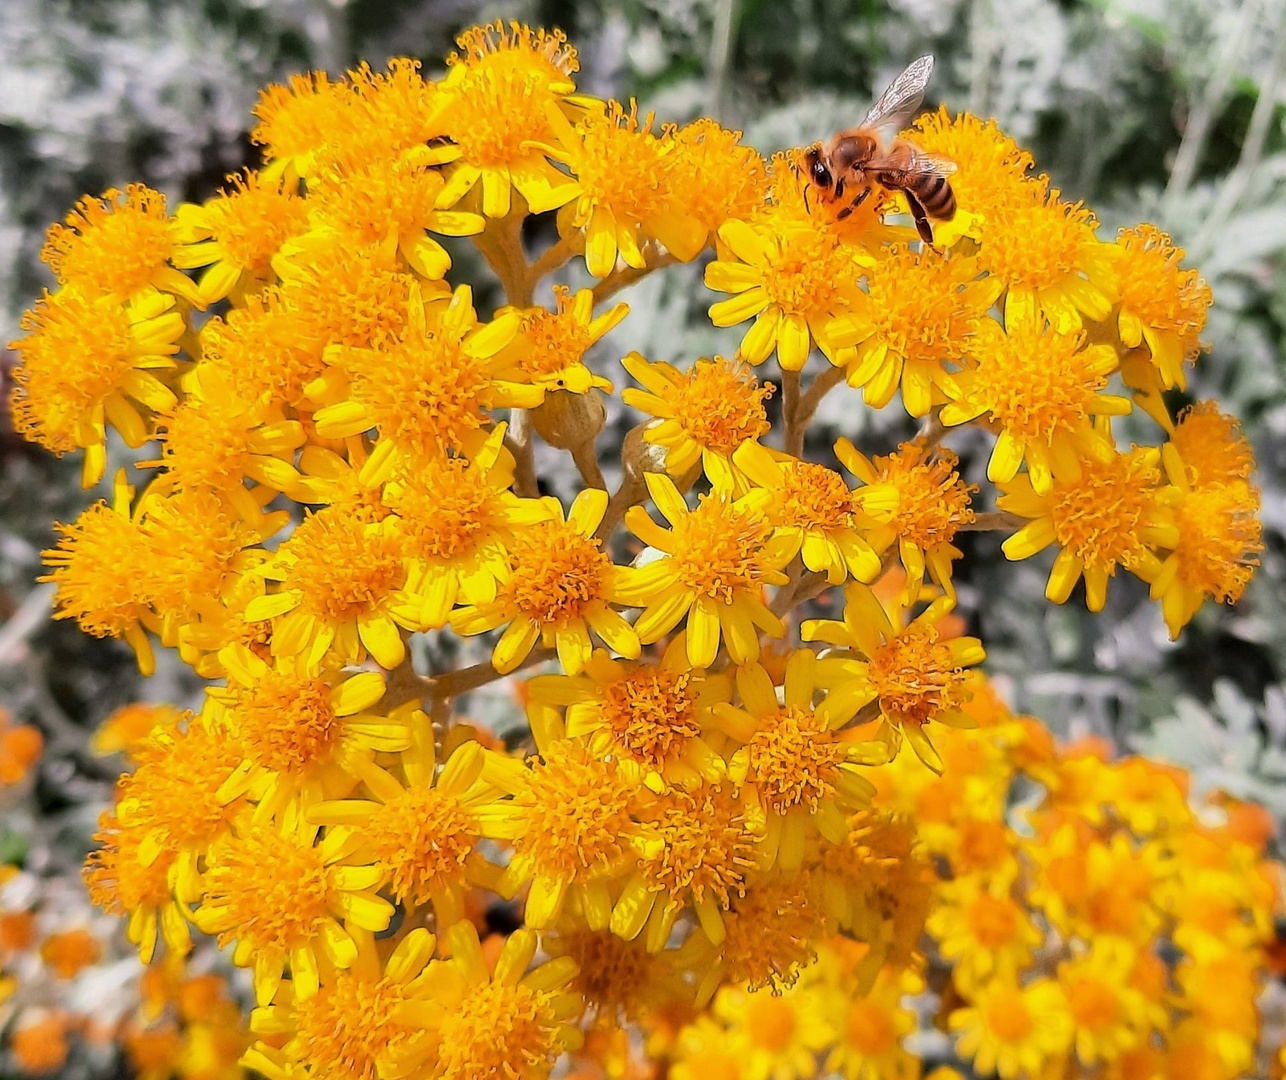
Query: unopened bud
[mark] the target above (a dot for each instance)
(570, 421)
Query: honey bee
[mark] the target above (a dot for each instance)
(844, 169)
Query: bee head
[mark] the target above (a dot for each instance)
(816, 169)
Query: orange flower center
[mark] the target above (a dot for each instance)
(993, 920)
(721, 405)
(770, 1022)
(652, 712)
(506, 1032)
(794, 759)
(916, 677)
(286, 722)
(815, 498)
(421, 840)
(343, 567)
(1008, 1016)
(1099, 517)
(719, 550)
(348, 1025)
(558, 574)
(869, 1028)
(933, 502)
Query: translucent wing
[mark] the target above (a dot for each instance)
(931, 164)
(899, 102)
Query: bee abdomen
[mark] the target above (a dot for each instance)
(937, 198)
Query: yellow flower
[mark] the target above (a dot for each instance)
(870, 1029)
(932, 503)
(1102, 513)
(917, 319)
(991, 179)
(700, 849)
(714, 563)
(571, 826)
(354, 1021)
(1210, 446)
(718, 177)
(627, 187)
(422, 835)
(982, 931)
(506, 1022)
(1013, 1031)
(814, 506)
(1108, 1013)
(237, 233)
(391, 201)
(798, 283)
(1162, 307)
(86, 364)
(1049, 261)
(654, 714)
(284, 896)
(295, 730)
(793, 762)
(117, 246)
(96, 566)
(911, 673)
(620, 980)
(295, 121)
(775, 1036)
(559, 585)
(499, 93)
(341, 580)
(458, 519)
(1041, 389)
(426, 395)
(549, 351)
(703, 414)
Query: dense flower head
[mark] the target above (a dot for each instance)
(509, 768)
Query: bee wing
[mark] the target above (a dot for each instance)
(900, 101)
(931, 165)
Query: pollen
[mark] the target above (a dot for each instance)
(1153, 287)
(348, 1025)
(720, 177)
(446, 511)
(804, 270)
(421, 839)
(706, 849)
(560, 572)
(815, 497)
(1039, 245)
(1219, 536)
(624, 166)
(652, 712)
(577, 809)
(286, 722)
(114, 245)
(270, 889)
(794, 760)
(916, 677)
(721, 404)
(342, 566)
(933, 501)
(719, 550)
(1100, 516)
(506, 1032)
(1212, 446)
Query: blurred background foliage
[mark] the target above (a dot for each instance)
(1168, 111)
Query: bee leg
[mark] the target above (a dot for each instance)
(861, 198)
(922, 225)
(807, 209)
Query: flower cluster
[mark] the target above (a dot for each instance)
(714, 797)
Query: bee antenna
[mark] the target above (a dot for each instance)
(807, 209)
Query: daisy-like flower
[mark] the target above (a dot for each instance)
(798, 283)
(421, 834)
(1050, 263)
(1219, 537)
(392, 200)
(559, 585)
(914, 673)
(458, 519)
(914, 326)
(353, 1022)
(1108, 1013)
(702, 415)
(498, 95)
(626, 189)
(571, 825)
(1014, 1031)
(700, 848)
(1102, 513)
(620, 980)
(429, 393)
(237, 233)
(1210, 446)
(117, 246)
(297, 120)
(341, 580)
(718, 176)
(99, 559)
(992, 171)
(215, 439)
(870, 1029)
(484, 1020)
(714, 562)
(89, 363)
(982, 931)
(932, 504)
(123, 882)
(793, 762)
(654, 714)
(549, 351)
(814, 506)
(775, 1036)
(1161, 306)
(294, 728)
(284, 896)
(1040, 388)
